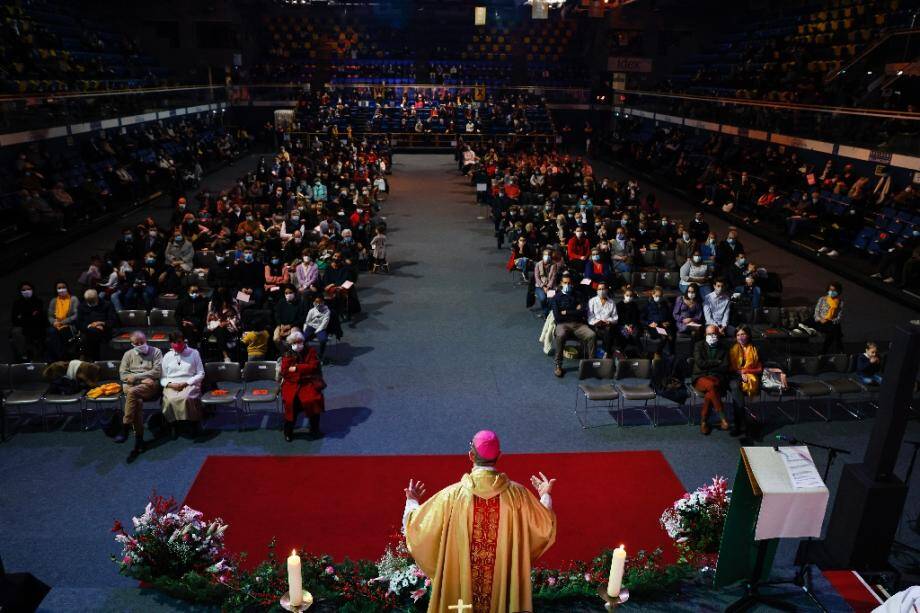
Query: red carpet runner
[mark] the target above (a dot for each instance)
(349, 505)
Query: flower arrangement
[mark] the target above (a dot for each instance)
(175, 550)
(401, 575)
(179, 552)
(695, 521)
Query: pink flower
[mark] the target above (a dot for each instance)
(126, 560)
(551, 581)
(417, 594)
(427, 582)
(588, 577)
(330, 570)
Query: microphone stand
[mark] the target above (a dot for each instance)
(803, 576)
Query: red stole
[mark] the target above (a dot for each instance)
(483, 543)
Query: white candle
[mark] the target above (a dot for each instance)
(617, 564)
(295, 580)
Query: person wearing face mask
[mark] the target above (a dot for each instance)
(28, 324)
(685, 246)
(95, 322)
(699, 228)
(597, 269)
(183, 374)
(126, 247)
(379, 250)
(708, 249)
(289, 314)
(317, 324)
(140, 371)
(727, 251)
(545, 274)
(191, 314)
(745, 368)
(223, 322)
(629, 324)
(569, 314)
(688, 312)
(302, 386)
(523, 253)
(250, 273)
(222, 272)
(343, 300)
(62, 317)
(710, 372)
(306, 275)
(695, 270)
(249, 226)
(180, 248)
(717, 307)
(578, 249)
(622, 251)
(657, 323)
(827, 319)
(277, 274)
(602, 317)
(736, 273)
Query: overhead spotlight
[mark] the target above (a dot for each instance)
(869, 72)
(900, 72)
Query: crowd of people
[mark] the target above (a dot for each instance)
(422, 110)
(826, 206)
(56, 188)
(580, 244)
(254, 272)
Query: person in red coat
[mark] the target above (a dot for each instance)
(579, 249)
(302, 386)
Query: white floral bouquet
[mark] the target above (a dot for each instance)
(695, 520)
(174, 545)
(403, 577)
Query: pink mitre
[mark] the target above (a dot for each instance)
(486, 445)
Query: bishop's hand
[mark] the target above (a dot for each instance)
(415, 491)
(542, 484)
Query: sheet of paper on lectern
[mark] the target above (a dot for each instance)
(794, 498)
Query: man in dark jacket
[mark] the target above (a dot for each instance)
(710, 372)
(191, 313)
(95, 321)
(569, 313)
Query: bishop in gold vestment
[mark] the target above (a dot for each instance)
(477, 539)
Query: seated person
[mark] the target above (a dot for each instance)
(523, 253)
(95, 321)
(656, 316)
(710, 372)
(289, 314)
(255, 339)
(717, 308)
(745, 368)
(571, 322)
(316, 324)
(191, 315)
(341, 300)
(696, 271)
(621, 252)
(223, 322)
(688, 312)
(140, 371)
(597, 270)
(183, 374)
(544, 280)
(629, 323)
(579, 249)
(602, 317)
(869, 365)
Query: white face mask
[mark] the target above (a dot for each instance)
(601, 293)
(62, 291)
(691, 294)
(627, 299)
(697, 259)
(656, 298)
(297, 347)
(712, 339)
(546, 258)
(142, 349)
(26, 293)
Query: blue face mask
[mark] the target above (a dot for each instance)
(275, 261)
(248, 257)
(566, 288)
(833, 293)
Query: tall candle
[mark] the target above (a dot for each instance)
(617, 564)
(295, 579)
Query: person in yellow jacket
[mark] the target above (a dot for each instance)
(477, 539)
(745, 368)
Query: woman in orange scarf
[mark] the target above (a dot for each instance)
(744, 364)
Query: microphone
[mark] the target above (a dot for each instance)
(787, 439)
